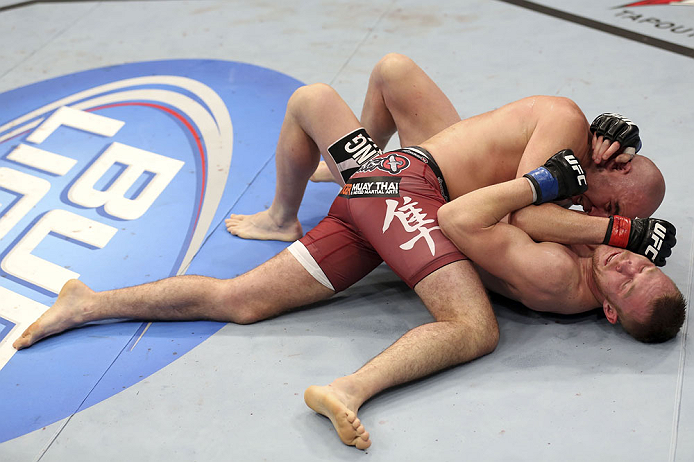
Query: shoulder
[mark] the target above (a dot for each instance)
(561, 262)
(556, 279)
(567, 107)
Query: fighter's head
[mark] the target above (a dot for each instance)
(642, 298)
(634, 189)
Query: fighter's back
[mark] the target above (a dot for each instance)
(489, 148)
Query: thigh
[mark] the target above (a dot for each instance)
(316, 118)
(399, 220)
(421, 115)
(419, 109)
(455, 292)
(277, 286)
(336, 247)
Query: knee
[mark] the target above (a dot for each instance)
(487, 336)
(308, 97)
(391, 68)
(491, 335)
(480, 335)
(239, 308)
(244, 316)
(245, 319)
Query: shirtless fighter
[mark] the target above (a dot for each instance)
(464, 328)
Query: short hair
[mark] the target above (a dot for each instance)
(666, 319)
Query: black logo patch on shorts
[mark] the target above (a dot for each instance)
(392, 163)
(374, 186)
(351, 152)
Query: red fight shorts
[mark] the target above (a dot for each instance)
(385, 212)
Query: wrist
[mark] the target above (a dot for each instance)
(618, 231)
(545, 186)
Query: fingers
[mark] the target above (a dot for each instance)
(604, 149)
(601, 147)
(625, 156)
(611, 150)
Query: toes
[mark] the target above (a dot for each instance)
(363, 441)
(23, 341)
(233, 227)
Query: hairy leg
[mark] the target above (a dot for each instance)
(316, 117)
(259, 294)
(400, 98)
(465, 328)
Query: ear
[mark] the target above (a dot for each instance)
(610, 312)
(621, 167)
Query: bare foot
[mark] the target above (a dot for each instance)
(331, 403)
(261, 226)
(66, 312)
(323, 174)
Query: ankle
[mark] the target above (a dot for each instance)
(353, 390)
(280, 215)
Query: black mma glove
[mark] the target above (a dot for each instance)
(560, 178)
(650, 237)
(616, 127)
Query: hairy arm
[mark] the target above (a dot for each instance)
(553, 223)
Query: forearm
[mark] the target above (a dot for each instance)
(552, 223)
(479, 210)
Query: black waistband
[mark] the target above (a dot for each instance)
(426, 157)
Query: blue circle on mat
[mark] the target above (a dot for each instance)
(181, 110)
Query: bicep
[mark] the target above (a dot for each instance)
(505, 252)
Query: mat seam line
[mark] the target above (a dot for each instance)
(48, 42)
(50, 443)
(369, 32)
(682, 362)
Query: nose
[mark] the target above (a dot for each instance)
(625, 267)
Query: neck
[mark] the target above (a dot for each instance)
(588, 277)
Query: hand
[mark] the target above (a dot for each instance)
(650, 237)
(560, 178)
(612, 132)
(604, 149)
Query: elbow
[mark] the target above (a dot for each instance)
(444, 217)
(517, 218)
(451, 221)
(461, 219)
(526, 217)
